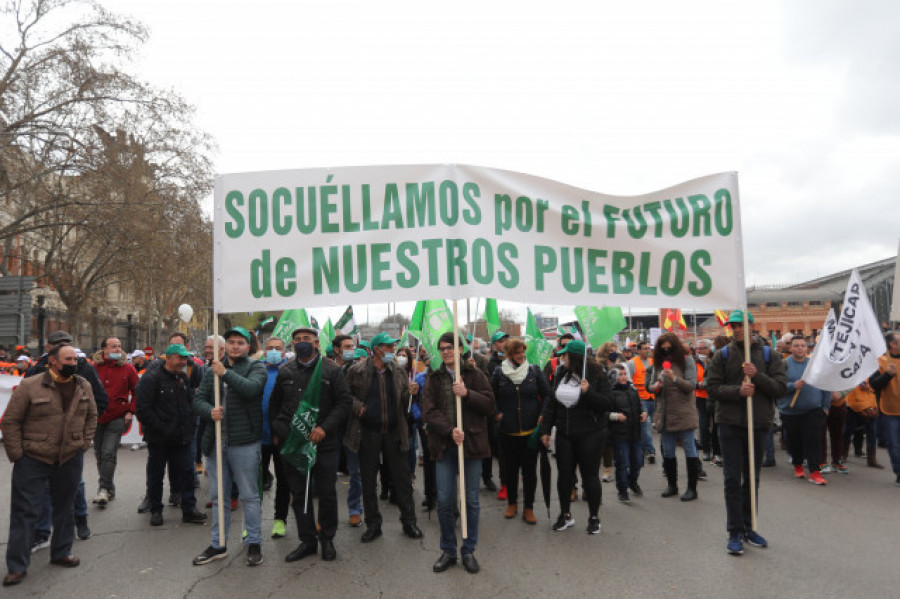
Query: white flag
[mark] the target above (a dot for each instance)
(850, 344)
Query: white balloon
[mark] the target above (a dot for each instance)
(185, 312)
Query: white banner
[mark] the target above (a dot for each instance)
(895, 300)
(849, 345)
(357, 235)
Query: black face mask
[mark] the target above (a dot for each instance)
(304, 350)
(67, 370)
(667, 351)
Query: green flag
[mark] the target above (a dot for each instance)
(431, 319)
(327, 334)
(267, 321)
(539, 349)
(404, 338)
(491, 316)
(346, 324)
(297, 449)
(600, 324)
(289, 322)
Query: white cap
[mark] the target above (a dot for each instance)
(138, 353)
(22, 358)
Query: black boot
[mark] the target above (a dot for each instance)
(693, 470)
(670, 467)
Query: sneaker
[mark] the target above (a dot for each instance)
(816, 478)
(799, 472)
(593, 527)
(651, 458)
(490, 486)
(210, 554)
(753, 538)
(234, 504)
(735, 546)
(563, 522)
(81, 528)
(608, 478)
(40, 543)
(768, 462)
(278, 529)
(102, 497)
(636, 489)
(839, 467)
(623, 497)
(244, 534)
(144, 507)
(501, 494)
(826, 469)
(254, 555)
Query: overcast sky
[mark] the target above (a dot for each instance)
(801, 98)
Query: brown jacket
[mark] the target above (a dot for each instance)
(477, 407)
(359, 379)
(676, 406)
(35, 425)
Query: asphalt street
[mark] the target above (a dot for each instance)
(836, 541)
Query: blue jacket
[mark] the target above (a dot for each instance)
(810, 398)
(271, 375)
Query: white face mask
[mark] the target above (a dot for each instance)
(402, 361)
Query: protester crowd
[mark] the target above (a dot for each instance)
(376, 413)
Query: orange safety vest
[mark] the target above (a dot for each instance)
(701, 393)
(639, 379)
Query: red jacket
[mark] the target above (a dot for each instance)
(120, 380)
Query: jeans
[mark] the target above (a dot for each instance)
(629, 461)
(355, 491)
(770, 444)
(890, 425)
(446, 473)
(45, 521)
(324, 476)
(106, 448)
(241, 465)
(804, 437)
(518, 456)
(648, 406)
(734, 443)
(282, 491)
(669, 439)
(29, 479)
(179, 459)
(373, 444)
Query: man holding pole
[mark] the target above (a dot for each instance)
(447, 431)
(243, 381)
(293, 390)
(734, 382)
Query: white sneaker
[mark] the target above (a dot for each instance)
(102, 497)
(826, 469)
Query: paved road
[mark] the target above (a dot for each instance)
(841, 540)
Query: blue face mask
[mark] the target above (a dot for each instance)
(389, 357)
(115, 357)
(304, 350)
(273, 356)
(347, 355)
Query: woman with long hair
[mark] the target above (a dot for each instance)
(673, 380)
(579, 411)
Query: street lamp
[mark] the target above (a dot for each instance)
(41, 318)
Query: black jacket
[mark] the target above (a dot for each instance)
(520, 405)
(626, 401)
(334, 404)
(164, 407)
(588, 415)
(85, 370)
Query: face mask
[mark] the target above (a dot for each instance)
(667, 351)
(613, 356)
(273, 356)
(402, 361)
(304, 350)
(115, 357)
(347, 355)
(389, 357)
(501, 354)
(67, 370)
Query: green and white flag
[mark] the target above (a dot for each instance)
(267, 321)
(431, 319)
(539, 349)
(600, 324)
(570, 328)
(327, 335)
(491, 316)
(290, 321)
(346, 324)
(297, 449)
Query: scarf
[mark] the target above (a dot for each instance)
(516, 374)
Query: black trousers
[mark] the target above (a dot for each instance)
(324, 473)
(372, 445)
(180, 461)
(585, 451)
(428, 468)
(518, 456)
(733, 441)
(282, 491)
(804, 436)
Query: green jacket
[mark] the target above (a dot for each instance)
(241, 395)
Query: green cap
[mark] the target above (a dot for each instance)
(498, 335)
(177, 349)
(360, 353)
(573, 347)
(365, 344)
(737, 316)
(469, 338)
(383, 338)
(238, 331)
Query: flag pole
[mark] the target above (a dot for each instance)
(463, 520)
(751, 459)
(306, 495)
(220, 506)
